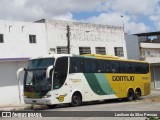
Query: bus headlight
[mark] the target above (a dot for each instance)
(46, 96)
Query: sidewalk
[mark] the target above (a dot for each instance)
(16, 107)
(155, 92)
(19, 107)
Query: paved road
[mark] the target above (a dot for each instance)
(114, 105)
(145, 104)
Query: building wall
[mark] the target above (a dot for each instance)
(151, 53)
(16, 46)
(8, 83)
(132, 45)
(155, 76)
(85, 35)
(16, 39)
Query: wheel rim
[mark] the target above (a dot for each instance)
(76, 100)
(138, 94)
(130, 95)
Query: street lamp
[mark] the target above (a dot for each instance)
(122, 23)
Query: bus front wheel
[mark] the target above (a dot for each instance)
(76, 99)
(130, 95)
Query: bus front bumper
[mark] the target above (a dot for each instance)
(40, 101)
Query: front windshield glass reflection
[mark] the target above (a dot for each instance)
(35, 76)
(40, 63)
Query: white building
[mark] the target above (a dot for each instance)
(85, 38)
(20, 41)
(150, 51)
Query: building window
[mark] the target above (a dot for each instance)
(148, 53)
(62, 50)
(32, 38)
(52, 50)
(119, 51)
(143, 53)
(101, 50)
(84, 50)
(1, 38)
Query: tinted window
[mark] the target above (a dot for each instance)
(103, 66)
(90, 66)
(114, 66)
(40, 63)
(62, 65)
(76, 65)
(60, 72)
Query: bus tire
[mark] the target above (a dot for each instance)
(130, 95)
(52, 106)
(137, 93)
(76, 99)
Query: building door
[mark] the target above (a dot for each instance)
(155, 77)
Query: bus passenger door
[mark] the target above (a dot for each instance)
(60, 87)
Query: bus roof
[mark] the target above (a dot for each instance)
(97, 56)
(111, 57)
(52, 56)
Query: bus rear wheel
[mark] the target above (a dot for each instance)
(76, 99)
(137, 94)
(130, 95)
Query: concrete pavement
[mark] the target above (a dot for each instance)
(18, 107)
(15, 107)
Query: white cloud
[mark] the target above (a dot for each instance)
(133, 28)
(156, 21)
(115, 19)
(155, 18)
(65, 17)
(144, 7)
(32, 10)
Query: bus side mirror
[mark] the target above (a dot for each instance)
(48, 71)
(20, 70)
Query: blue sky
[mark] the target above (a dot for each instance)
(138, 15)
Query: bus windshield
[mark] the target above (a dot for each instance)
(40, 63)
(35, 76)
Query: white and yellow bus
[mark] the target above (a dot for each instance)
(65, 78)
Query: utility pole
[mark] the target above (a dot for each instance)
(68, 39)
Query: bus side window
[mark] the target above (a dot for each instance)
(147, 68)
(107, 67)
(76, 65)
(100, 66)
(89, 66)
(132, 68)
(73, 67)
(121, 67)
(115, 67)
(126, 67)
